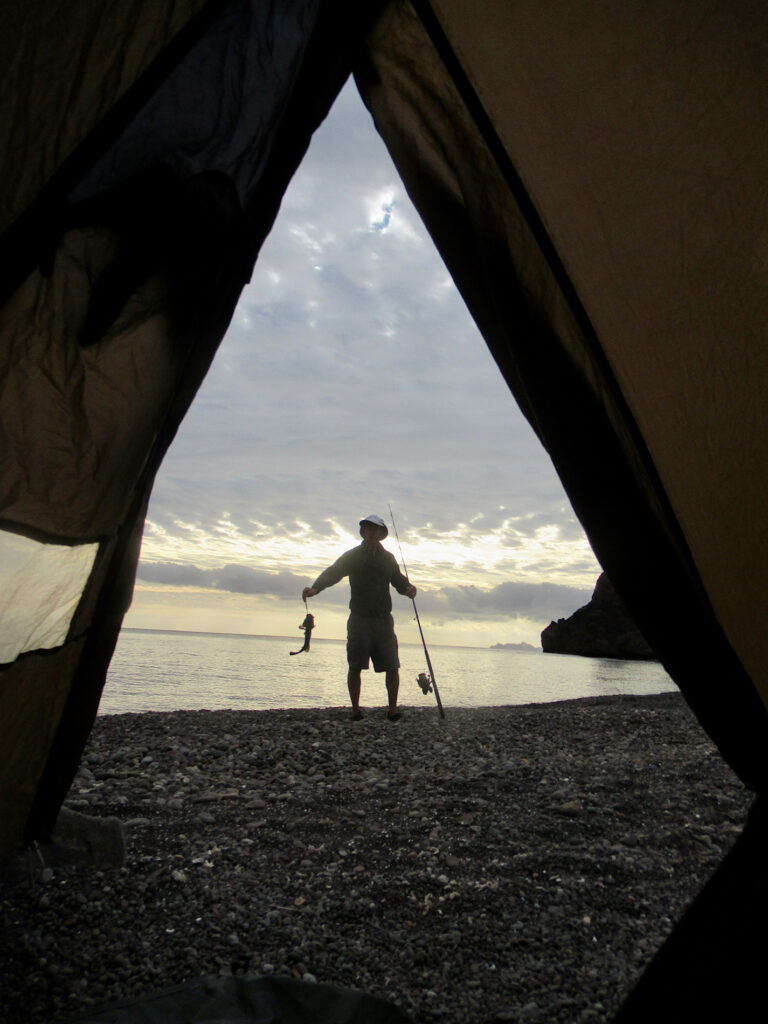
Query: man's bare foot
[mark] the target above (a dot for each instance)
(393, 716)
(356, 715)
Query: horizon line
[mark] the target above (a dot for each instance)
(280, 636)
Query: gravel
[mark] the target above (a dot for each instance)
(514, 863)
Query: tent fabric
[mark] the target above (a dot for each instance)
(64, 68)
(71, 77)
(135, 270)
(592, 175)
(633, 128)
(145, 256)
(33, 695)
(571, 224)
(251, 52)
(256, 999)
(40, 588)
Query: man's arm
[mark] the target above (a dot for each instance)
(401, 583)
(328, 577)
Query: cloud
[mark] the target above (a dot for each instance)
(352, 376)
(383, 224)
(235, 579)
(535, 601)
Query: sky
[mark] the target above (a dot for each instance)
(353, 378)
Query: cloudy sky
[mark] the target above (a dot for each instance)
(351, 378)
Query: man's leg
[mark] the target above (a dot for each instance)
(356, 655)
(393, 685)
(353, 685)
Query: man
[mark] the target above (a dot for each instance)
(370, 627)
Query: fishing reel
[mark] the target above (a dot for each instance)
(424, 682)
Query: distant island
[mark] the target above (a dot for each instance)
(515, 647)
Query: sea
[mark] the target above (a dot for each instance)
(167, 670)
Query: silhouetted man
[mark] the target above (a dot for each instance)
(370, 627)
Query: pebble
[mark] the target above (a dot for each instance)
(454, 867)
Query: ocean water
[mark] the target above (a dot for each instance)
(157, 670)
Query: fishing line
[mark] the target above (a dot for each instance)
(429, 682)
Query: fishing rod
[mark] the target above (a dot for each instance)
(426, 682)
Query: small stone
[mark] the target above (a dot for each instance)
(570, 809)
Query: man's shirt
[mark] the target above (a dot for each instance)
(370, 574)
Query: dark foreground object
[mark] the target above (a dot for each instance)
(713, 965)
(245, 999)
(515, 863)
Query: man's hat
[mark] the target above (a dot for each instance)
(377, 521)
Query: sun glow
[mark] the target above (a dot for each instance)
(465, 555)
(485, 559)
(470, 557)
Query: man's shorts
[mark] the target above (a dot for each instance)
(372, 639)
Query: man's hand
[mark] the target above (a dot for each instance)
(410, 591)
(308, 592)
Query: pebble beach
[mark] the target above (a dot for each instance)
(504, 864)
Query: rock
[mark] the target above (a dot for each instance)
(570, 809)
(78, 839)
(83, 839)
(601, 629)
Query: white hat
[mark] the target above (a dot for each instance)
(377, 521)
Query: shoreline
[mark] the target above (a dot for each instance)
(543, 849)
(340, 710)
(409, 710)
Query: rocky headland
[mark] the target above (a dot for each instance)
(601, 629)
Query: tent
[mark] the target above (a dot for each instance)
(593, 176)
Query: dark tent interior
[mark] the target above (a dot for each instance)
(593, 177)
